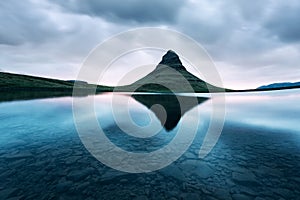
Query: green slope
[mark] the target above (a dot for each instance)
(8, 80)
(23, 87)
(18, 82)
(172, 74)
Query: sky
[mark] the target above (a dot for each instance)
(252, 43)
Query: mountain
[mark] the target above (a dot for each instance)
(280, 85)
(170, 73)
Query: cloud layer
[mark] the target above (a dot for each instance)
(126, 11)
(251, 42)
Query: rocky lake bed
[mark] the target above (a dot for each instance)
(42, 157)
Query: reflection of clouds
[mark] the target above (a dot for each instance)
(266, 96)
(276, 109)
(130, 116)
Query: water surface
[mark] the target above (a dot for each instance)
(256, 156)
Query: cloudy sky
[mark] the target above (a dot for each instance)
(251, 42)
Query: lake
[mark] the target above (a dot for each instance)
(256, 156)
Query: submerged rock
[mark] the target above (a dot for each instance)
(190, 196)
(197, 167)
(241, 197)
(246, 178)
(174, 172)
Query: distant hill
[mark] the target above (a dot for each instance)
(170, 72)
(22, 87)
(280, 85)
(17, 82)
(9, 80)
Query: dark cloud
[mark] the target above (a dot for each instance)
(128, 10)
(283, 22)
(247, 38)
(248, 10)
(26, 22)
(222, 27)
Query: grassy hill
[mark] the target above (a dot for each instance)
(22, 87)
(179, 80)
(9, 81)
(172, 74)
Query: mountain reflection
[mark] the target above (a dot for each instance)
(169, 108)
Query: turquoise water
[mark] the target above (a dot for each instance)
(256, 157)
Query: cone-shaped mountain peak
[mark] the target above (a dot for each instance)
(170, 74)
(171, 59)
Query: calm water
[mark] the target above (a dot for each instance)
(256, 157)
